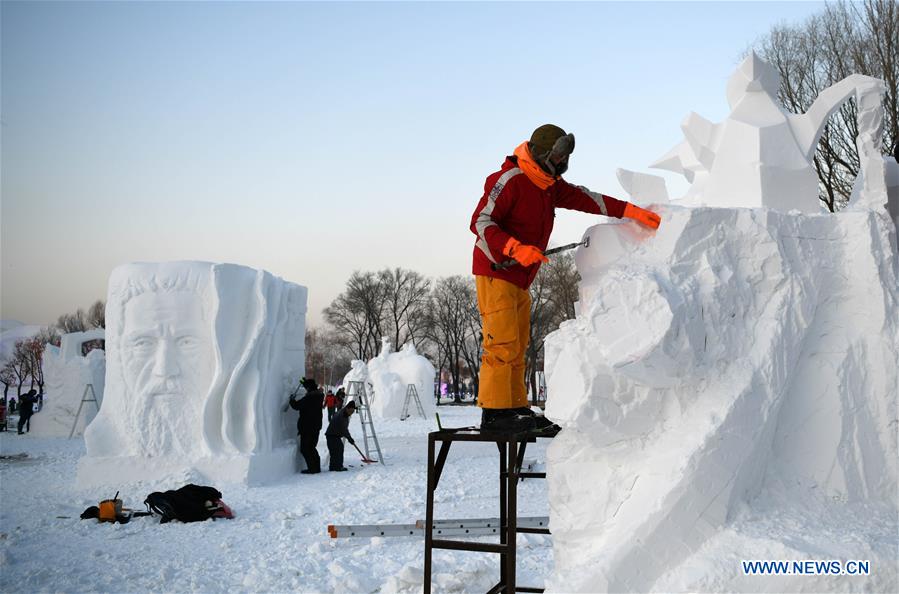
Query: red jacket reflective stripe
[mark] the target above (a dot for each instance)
(513, 206)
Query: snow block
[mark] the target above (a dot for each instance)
(200, 360)
(388, 377)
(734, 350)
(67, 374)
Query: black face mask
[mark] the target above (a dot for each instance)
(560, 167)
(557, 158)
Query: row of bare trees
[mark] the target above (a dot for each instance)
(843, 39)
(440, 317)
(24, 365)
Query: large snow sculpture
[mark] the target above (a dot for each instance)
(389, 375)
(736, 361)
(739, 349)
(201, 357)
(67, 374)
(761, 155)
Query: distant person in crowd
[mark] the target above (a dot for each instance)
(26, 409)
(338, 428)
(341, 398)
(13, 405)
(513, 221)
(309, 425)
(330, 404)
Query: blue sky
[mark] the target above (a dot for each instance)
(315, 139)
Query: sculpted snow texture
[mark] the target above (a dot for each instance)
(736, 348)
(200, 359)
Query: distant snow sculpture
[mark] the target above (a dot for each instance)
(358, 373)
(201, 358)
(389, 375)
(761, 155)
(67, 374)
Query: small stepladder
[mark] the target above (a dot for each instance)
(360, 395)
(412, 396)
(84, 399)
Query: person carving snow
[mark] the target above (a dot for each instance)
(309, 423)
(514, 219)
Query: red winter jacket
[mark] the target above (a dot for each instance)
(513, 206)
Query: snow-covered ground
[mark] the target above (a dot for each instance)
(278, 542)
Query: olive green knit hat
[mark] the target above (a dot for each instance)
(544, 137)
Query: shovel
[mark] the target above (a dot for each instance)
(364, 458)
(555, 250)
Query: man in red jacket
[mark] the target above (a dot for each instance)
(514, 219)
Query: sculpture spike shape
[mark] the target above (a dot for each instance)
(753, 75)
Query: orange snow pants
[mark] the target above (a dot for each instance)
(505, 323)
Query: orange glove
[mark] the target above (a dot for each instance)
(524, 254)
(642, 216)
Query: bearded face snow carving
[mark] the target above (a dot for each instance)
(166, 353)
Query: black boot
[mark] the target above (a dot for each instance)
(506, 420)
(541, 423)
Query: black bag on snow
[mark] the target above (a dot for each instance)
(190, 503)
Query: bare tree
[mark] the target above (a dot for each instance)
(20, 365)
(357, 314)
(450, 322)
(843, 39)
(405, 296)
(324, 360)
(96, 315)
(76, 322)
(33, 351)
(563, 279)
(7, 377)
(49, 335)
(473, 346)
(431, 344)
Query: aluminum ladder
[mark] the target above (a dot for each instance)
(369, 437)
(84, 399)
(412, 396)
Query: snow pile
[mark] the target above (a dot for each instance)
(200, 360)
(67, 375)
(388, 377)
(739, 363)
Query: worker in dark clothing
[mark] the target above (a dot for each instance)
(26, 409)
(309, 425)
(338, 428)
